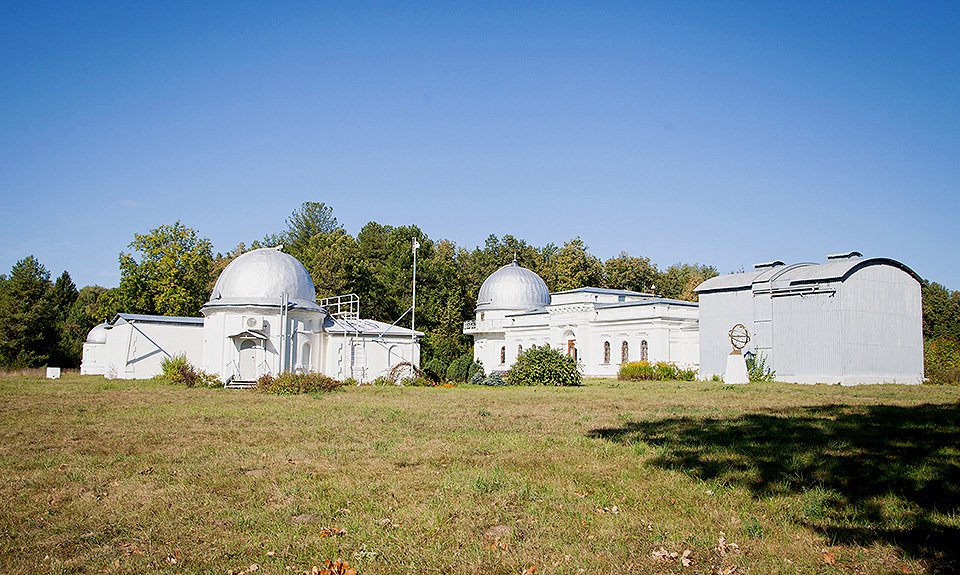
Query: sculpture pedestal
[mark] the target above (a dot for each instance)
(736, 371)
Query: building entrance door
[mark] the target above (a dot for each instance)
(248, 360)
(572, 349)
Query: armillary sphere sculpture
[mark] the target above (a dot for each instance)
(739, 337)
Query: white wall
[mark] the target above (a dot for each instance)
(720, 311)
(136, 350)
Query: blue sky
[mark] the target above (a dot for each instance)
(722, 133)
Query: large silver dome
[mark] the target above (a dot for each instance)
(98, 334)
(513, 288)
(260, 277)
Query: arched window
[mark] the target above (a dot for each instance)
(644, 354)
(519, 350)
(606, 352)
(624, 352)
(503, 355)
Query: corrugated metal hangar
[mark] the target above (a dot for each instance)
(850, 320)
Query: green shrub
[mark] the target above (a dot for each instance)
(543, 365)
(296, 383)
(417, 381)
(636, 371)
(382, 381)
(477, 374)
(435, 368)
(660, 371)
(494, 379)
(459, 369)
(757, 369)
(178, 371)
(941, 361)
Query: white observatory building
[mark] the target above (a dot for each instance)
(849, 320)
(600, 328)
(262, 318)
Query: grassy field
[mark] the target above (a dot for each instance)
(138, 477)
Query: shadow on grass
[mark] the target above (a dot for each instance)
(858, 475)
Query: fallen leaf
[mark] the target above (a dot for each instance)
(530, 570)
(685, 559)
(723, 547)
(337, 567)
(663, 554)
(332, 532)
(828, 557)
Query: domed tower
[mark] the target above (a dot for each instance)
(262, 317)
(511, 289)
(93, 361)
(260, 278)
(509, 293)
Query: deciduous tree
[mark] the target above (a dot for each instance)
(172, 274)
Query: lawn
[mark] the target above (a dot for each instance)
(613, 477)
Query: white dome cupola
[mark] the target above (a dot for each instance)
(98, 334)
(261, 277)
(513, 288)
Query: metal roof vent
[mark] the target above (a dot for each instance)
(767, 265)
(845, 256)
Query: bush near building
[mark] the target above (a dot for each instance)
(941, 360)
(296, 383)
(543, 365)
(463, 368)
(659, 371)
(179, 371)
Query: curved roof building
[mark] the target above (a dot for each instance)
(260, 278)
(513, 288)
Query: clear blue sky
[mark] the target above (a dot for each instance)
(716, 132)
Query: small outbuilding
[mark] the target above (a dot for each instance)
(850, 320)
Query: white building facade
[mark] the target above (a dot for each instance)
(851, 320)
(600, 328)
(262, 318)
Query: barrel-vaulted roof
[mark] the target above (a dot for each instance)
(836, 269)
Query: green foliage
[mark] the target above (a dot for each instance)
(462, 368)
(543, 365)
(435, 366)
(28, 316)
(941, 360)
(758, 370)
(417, 381)
(296, 383)
(572, 266)
(495, 379)
(941, 312)
(630, 273)
(179, 371)
(382, 381)
(172, 274)
(679, 280)
(659, 371)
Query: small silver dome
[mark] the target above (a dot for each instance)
(513, 288)
(260, 277)
(98, 334)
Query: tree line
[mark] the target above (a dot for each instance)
(171, 270)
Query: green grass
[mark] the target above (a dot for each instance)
(133, 477)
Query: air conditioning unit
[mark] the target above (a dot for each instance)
(253, 322)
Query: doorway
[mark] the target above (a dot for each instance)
(248, 360)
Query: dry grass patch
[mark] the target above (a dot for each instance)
(612, 477)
